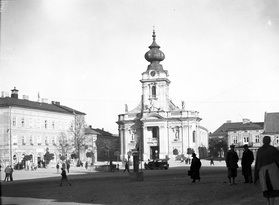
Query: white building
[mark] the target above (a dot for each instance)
(30, 127)
(157, 127)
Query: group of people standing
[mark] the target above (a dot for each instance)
(266, 168)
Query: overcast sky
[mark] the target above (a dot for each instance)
(221, 55)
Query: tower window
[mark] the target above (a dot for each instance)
(194, 136)
(153, 91)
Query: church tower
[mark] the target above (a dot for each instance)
(157, 128)
(155, 82)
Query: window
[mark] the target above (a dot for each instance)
(23, 140)
(14, 121)
(53, 140)
(31, 140)
(154, 91)
(46, 140)
(234, 139)
(39, 140)
(14, 140)
(154, 132)
(194, 136)
(246, 139)
(46, 124)
(257, 139)
(53, 125)
(22, 122)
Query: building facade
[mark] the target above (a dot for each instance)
(30, 128)
(271, 127)
(157, 128)
(250, 133)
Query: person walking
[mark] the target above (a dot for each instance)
(195, 168)
(246, 163)
(111, 165)
(127, 166)
(267, 170)
(211, 161)
(231, 162)
(57, 168)
(11, 173)
(7, 173)
(64, 177)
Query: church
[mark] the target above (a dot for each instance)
(157, 128)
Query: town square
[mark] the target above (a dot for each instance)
(139, 102)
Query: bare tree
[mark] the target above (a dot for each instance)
(77, 131)
(64, 146)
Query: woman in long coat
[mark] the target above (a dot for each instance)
(195, 168)
(267, 170)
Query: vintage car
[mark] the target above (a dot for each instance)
(157, 164)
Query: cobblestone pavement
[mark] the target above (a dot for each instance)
(172, 180)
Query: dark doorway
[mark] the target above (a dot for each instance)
(154, 152)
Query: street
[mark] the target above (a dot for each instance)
(171, 186)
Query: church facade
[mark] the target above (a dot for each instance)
(157, 128)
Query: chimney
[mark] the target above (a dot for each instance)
(25, 97)
(14, 93)
(229, 121)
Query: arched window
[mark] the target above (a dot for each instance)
(154, 91)
(194, 136)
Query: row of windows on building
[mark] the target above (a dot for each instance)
(39, 123)
(247, 139)
(23, 140)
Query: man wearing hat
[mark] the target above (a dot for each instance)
(246, 162)
(231, 162)
(195, 168)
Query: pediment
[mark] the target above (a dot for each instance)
(152, 116)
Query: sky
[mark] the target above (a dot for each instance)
(221, 55)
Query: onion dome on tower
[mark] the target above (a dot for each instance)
(154, 55)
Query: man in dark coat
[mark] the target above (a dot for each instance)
(195, 168)
(246, 162)
(231, 162)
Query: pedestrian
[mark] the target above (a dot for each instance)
(127, 166)
(86, 165)
(57, 168)
(231, 162)
(64, 177)
(11, 173)
(246, 163)
(7, 173)
(68, 167)
(211, 161)
(267, 170)
(111, 165)
(195, 168)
